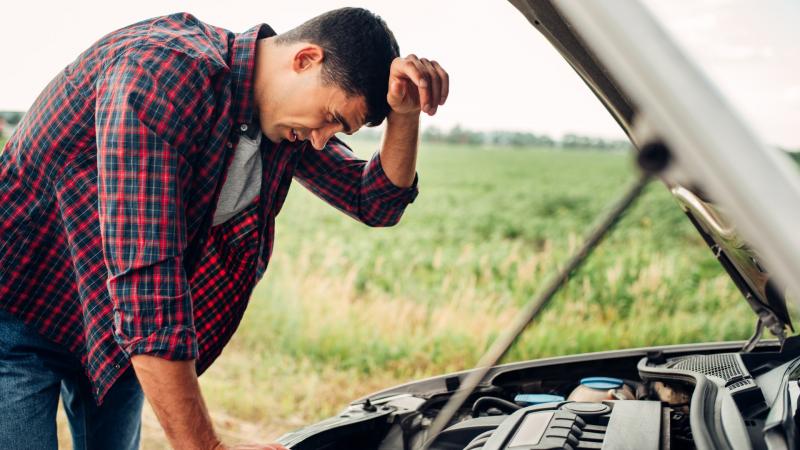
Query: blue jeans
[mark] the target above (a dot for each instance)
(34, 371)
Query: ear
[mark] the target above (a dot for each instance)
(307, 57)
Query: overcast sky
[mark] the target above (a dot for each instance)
(504, 75)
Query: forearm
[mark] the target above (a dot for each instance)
(172, 389)
(399, 148)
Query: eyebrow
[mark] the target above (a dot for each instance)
(344, 123)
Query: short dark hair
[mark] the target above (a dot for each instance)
(359, 50)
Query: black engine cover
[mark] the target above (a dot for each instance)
(612, 425)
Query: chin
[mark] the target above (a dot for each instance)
(274, 137)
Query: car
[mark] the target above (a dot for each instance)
(741, 196)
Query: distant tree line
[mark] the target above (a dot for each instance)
(503, 138)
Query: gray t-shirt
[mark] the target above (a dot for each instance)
(243, 182)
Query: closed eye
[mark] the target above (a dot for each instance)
(340, 120)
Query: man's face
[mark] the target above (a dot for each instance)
(301, 107)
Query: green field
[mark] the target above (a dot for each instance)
(345, 309)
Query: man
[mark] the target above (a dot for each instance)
(138, 198)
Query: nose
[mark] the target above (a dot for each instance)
(320, 136)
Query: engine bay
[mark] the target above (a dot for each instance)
(654, 399)
(651, 412)
(672, 404)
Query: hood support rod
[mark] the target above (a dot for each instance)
(529, 312)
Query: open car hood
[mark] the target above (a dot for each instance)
(738, 259)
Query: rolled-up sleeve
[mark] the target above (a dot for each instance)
(355, 186)
(141, 132)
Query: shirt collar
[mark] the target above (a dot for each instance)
(242, 68)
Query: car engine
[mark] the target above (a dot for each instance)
(651, 412)
(658, 399)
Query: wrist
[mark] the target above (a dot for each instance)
(396, 117)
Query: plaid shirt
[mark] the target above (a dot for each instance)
(108, 189)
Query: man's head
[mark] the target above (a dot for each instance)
(328, 75)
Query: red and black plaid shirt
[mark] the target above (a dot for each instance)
(108, 189)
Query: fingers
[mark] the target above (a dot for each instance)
(432, 82)
(418, 73)
(445, 82)
(436, 85)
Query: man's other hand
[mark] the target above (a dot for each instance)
(172, 389)
(417, 84)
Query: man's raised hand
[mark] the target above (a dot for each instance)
(417, 84)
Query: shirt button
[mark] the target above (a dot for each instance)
(243, 127)
(116, 366)
(229, 145)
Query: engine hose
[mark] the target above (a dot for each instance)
(505, 405)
